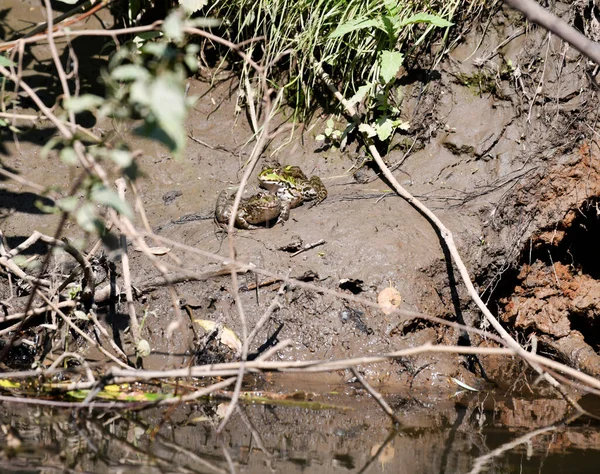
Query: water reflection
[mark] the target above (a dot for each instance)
(482, 433)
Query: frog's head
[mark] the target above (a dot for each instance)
(270, 175)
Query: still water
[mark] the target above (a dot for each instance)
(307, 433)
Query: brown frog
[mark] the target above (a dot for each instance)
(261, 208)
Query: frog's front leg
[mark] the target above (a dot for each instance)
(242, 223)
(286, 207)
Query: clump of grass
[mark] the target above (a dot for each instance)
(346, 37)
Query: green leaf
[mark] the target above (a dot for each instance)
(367, 130)
(353, 25)
(45, 208)
(425, 18)
(152, 130)
(403, 125)
(5, 383)
(68, 156)
(69, 2)
(5, 62)
(390, 65)
(67, 204)
(173, 27)
(129, 72)
(109, 197)
(192, 6)
(388, 26)
(143, 348)
(360, 94)
(167, 102)
(87, 219)
(83, 102)
(139, 93)
(384, 129)
(122, 158)
(81, 315)
(191, 62)
(144, 37)
(3, 123)
(205, 22)
(155, 49)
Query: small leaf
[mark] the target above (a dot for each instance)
(191, 62)
(143, 348)
(86, 217)
(67, 204)
(389, 299)
(367, 130)
(83, 102)
(390, 65)
(463, 385)
(122, 158)
(5, 62)
(68, 156)
(4, 383)
(139, 93)
(46, 208)
(353, 25)
(320, 137)
(167, 102)
(228, 337)
(403, 125)
(384, 129)
(192, 6)
(49, 146)
(69, 2)
(360, 94)
(155, 49)
(109, 197)
(129, 72)
(208, 22)
(154, 250)
(81, 315)
(173, 27)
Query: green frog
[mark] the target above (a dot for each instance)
(261, 208)
(292, 187)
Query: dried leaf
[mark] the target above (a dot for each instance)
(389, 299)
(143, 348)
(155, 250)
(228, 337)
(463, 385)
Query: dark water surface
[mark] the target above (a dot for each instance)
(461, 433)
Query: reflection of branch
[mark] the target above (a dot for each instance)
(481, 461)
(376, 395)
(537, 14)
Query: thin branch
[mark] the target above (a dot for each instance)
(444, 232)
(537, 14)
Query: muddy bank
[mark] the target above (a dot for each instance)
(501, 160)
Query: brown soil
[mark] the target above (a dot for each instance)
(506, 171)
